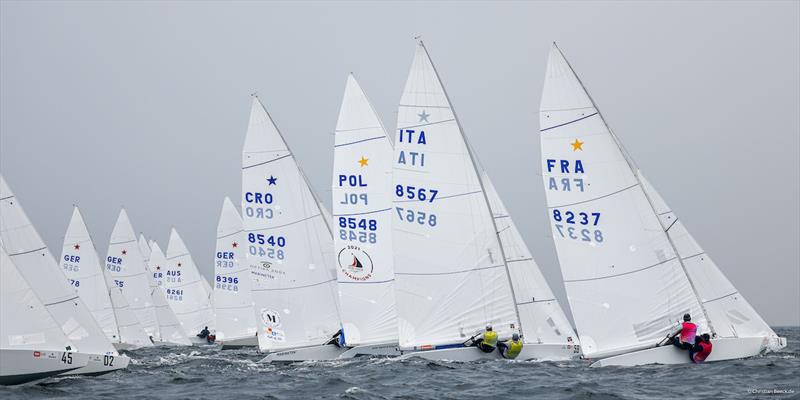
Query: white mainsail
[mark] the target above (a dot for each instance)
(362, 209)
(36, 264)
(451, 278)
(295, 293)
(126, 269)
(169, 328)
(82, 268)
(540, 314)
(626, 279)
(25, 324)
(233, 300)
(183, 286)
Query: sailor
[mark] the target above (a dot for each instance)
(510, 349)
(338, 339)
(488, 342)
(688, 331)
(701, 349)
(204, 333)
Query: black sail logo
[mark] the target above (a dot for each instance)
(355, 263)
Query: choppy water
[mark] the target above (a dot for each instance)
(211, 373)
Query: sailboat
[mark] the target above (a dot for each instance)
(36, 264)
(630, 267)
(169, 328)
(125, 267)
(81, 265)
(454, 279)
(183, 286)
(289, 238)
(234, 316)
(362, 210)
(32, 345)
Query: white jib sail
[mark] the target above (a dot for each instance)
(729, 312)
(233, 300)
(451, 278)
(362, 211)
(541, 316)
(126, 268)
(36, 264)
(82, 267)
(25, 323)
(183, 286)
(169, 328)
(287, 236)
(625, 283)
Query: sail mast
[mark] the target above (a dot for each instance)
(483, 190)
(635, 170)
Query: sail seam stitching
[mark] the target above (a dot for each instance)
(267, 162)
(624, 273)
(597, 198)
(567, 123)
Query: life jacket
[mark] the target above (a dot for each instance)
(688, 332)
(514, 348)
(490, 338)
(701, 355)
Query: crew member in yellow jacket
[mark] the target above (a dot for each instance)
(488, 342)
(512, 348)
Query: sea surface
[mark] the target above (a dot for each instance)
(209, 373)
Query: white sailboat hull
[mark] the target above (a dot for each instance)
(100, 364)
(251, 341)
(723, 349)
(21, 366)
(538, 352)
(314, 353)
(380, 349)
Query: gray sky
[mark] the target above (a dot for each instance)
(146, 104)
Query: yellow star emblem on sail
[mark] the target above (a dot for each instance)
(577, 145)
(363, 161)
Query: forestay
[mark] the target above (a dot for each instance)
(451, 277)
(540, 314)
(25, 323)
(169, 327)
(183, 286)
(81, 265)
(233, 300)
(37, 266)
(625, 283)
(362, 210)
(290, 241)
(126, 270)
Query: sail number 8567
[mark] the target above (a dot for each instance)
(419, 217)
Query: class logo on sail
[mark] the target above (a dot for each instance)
(272, 322)
(355, 263)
